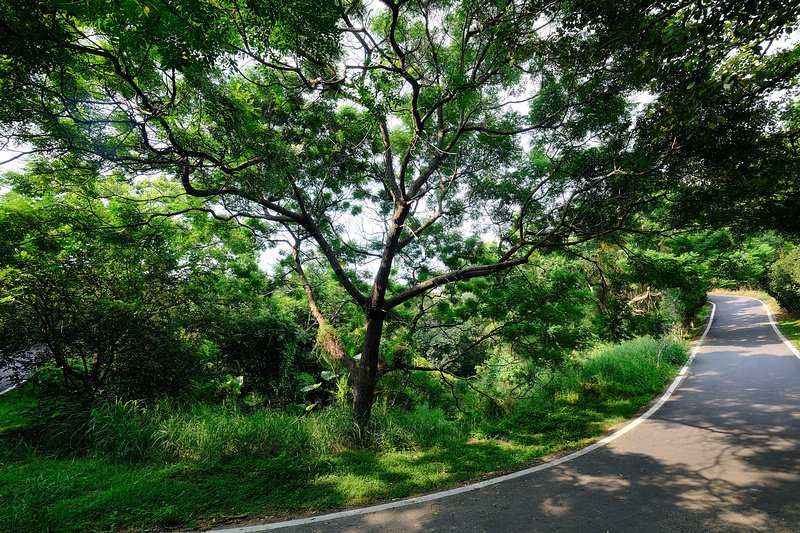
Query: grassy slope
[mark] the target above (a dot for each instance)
(95, 494)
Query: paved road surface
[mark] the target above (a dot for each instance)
(722, 455)
(7, 383)
(5, 379)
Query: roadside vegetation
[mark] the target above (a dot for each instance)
(235, 413)
(235, 444)
(259, 260)
(124, 464)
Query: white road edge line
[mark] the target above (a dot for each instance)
(774, 325)
(12, 387)
(488, 482)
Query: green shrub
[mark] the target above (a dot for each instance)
(783, 280)
(267, 348)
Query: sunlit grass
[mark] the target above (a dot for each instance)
(790, 326)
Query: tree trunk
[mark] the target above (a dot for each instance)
(328, 341)
(367, 374)
(364, 372)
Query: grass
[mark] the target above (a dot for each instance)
(790, 326)
(128, 467)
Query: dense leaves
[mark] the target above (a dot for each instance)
(411, 145)
(97, 302)
(117, 297)
(783, 279)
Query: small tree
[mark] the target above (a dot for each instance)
(101, 290)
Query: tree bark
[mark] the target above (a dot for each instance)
(328, 341)
(367, 373)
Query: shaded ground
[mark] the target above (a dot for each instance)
(722, 455)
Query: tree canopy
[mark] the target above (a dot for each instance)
(411, 144)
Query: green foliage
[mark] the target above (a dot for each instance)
(95, 299)
(265, 347)
(645, 286)
(112, 431)
(221, 434)
(541, 314)
(493, 334)
(115, 431)
(465, 137)
(418, 430)
(635, 368)
(680, 273)
(783, 279)
(732, 260)
(708, 112)
(113, 294)
(605, 385)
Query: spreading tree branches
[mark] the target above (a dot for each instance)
(385, 135)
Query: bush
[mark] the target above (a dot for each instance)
(783, 280)
(268, 349)
(163, 365)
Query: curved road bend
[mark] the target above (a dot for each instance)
(722, 455)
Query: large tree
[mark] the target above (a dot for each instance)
(409, 143)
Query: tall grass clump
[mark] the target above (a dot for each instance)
(214, 433)
(115, 431)
(122, 431)
(127, 432)
(592, 392)
(424, 428)
(330, 431)
(641, 366)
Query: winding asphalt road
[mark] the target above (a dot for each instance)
(721, 455)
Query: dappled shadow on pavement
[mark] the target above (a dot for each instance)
(617, 491)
